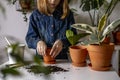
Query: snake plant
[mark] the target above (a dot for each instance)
(97, 34)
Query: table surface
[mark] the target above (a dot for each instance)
(74, 73)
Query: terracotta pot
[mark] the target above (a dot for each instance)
(47, 58)
(78, 55)
(106, 40)
(100, 56)
(116, 36)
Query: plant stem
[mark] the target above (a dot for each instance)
(92, 21)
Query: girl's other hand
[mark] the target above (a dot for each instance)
(57, 47)
(41, 48)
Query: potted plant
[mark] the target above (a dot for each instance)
(96, 48)
(78, 53)
(24, 6)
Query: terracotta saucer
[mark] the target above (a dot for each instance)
(100, 69)
(79, 65)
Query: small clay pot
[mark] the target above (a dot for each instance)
(78, 55)
(47, 58)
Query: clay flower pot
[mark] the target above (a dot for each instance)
(100, 56)
(116, 36)
(106, 40)
(78, 56)
(47, 58)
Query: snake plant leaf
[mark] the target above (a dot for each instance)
(111, 27)
(84, 27)
(72, 38)
(93, 39)
(102, 23)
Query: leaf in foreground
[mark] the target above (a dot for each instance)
(10, 71)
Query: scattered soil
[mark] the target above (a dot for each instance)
(36, 69)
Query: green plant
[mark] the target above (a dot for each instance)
(26, 6)
(96, 8)
(97, 34)
(74, 38)
(11, 69)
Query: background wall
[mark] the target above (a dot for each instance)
(12, 22)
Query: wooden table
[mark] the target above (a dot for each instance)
(74, 73)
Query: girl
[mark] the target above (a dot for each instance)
(47, 28)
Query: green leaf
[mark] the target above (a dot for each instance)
(39, 69)
(93, 39)
(111, 27)
(102, 23)
(10, 71)
(37, 59)
(73, 39)
(88, 5)
(83, 27)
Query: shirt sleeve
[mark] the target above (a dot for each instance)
(32, 36)
(70, 22)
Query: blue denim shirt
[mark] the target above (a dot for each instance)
(48, 28)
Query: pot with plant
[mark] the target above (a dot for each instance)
(24, 6)
(78, 53)
(100, 53)
(97, 8)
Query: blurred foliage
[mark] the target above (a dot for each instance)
(12, 68)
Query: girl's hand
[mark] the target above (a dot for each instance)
(57, 47)
(41, 48)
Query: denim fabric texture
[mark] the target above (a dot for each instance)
(49, 29)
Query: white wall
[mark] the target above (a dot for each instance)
(13, 23)
(84, 17)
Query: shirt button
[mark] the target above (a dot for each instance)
(52, 26)
(51, 34)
